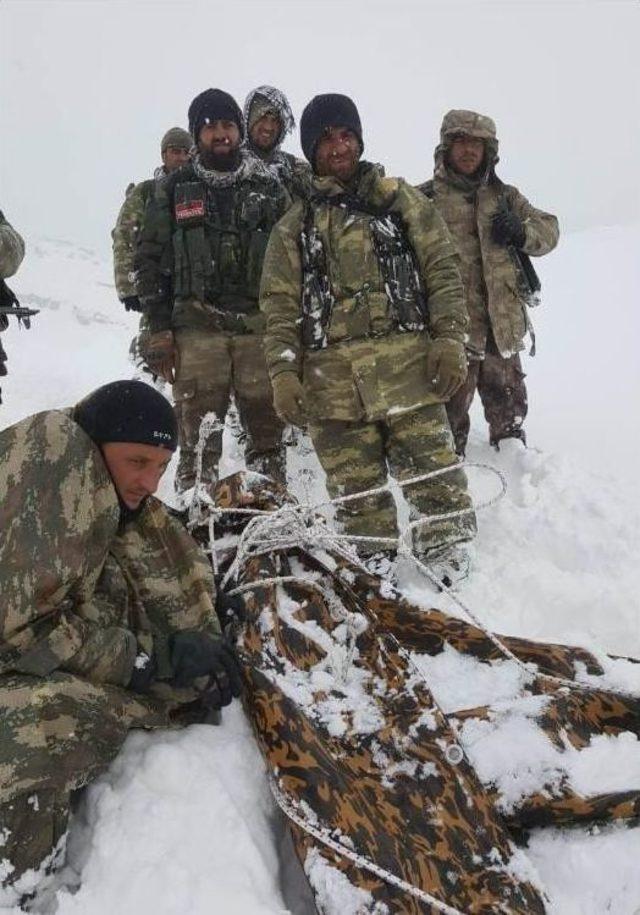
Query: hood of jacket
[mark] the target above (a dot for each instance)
(459, 122)
(273, 100)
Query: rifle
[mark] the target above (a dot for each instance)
(9, 305)
(526, 270)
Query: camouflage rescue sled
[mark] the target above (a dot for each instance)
(375, 776)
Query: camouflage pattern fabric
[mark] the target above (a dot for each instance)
(82, 594)
(494, 291)
(362, 386)
(386, 785)
(500, 384)
(57, 734)
(367, 368)
(358, 456)
(11, 248)
(212, 367)
(125, 235)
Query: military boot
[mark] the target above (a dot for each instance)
(186, 472)
(34, 826)
(271, 464)
(517, 433)
(450, 564)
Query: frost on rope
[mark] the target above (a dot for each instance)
(348, 706)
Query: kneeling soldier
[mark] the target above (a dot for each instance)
(107, 616)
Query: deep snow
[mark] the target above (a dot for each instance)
(183, 822)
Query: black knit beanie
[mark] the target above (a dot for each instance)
(128, 411)
(331, 110)
(213, 105)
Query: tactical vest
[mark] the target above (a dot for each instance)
(407, 303)
(220, 239)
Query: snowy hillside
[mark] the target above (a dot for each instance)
(183, 822)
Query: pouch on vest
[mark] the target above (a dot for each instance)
(189, 203)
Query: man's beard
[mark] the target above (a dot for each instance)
(221, 162)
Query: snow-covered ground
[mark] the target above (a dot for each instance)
(183, 822)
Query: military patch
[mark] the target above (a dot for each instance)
(188, 211)
(189, 202)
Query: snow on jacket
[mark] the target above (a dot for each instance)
(495, 294)
(294, 173)
(368, 367)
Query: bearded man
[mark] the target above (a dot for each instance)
(198, 266)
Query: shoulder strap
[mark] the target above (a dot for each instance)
(350, 202)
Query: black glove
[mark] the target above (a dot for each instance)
(197, 654)
(507, 228)
(132, 303)
(230, 608)
(144, 672)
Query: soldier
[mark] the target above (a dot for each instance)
(365, 331)
(11, 256)
(174, 151)
(199, 264)
(107, 618)
(494, 229)
(268, 119)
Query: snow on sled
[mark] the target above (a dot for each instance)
(408, 748)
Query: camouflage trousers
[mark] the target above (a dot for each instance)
(56, 735)
(500, 384)
(212, 366)
(357, 456)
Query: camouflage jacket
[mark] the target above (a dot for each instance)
(125, 234)
(495, 291)
(368, 367)
(80, 591)
(11, 248)
(200, 253)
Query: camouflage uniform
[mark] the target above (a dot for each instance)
(370, 402)
(11, 255)
(199, 264)
(124, 235)
(495, 290)
(11, 248)
(294, 173)
(83, 593)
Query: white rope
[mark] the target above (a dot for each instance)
(291, 810)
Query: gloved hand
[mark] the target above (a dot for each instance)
(197, 654)
(446, 366)
(144, 672)
(230, 608)
(507, 228)
(132, 303)
(289, 398)
(160, 355)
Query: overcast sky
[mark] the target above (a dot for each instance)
(89, 86)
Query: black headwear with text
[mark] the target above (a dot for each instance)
(128, 411)
(213, 105)
(329, 110)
